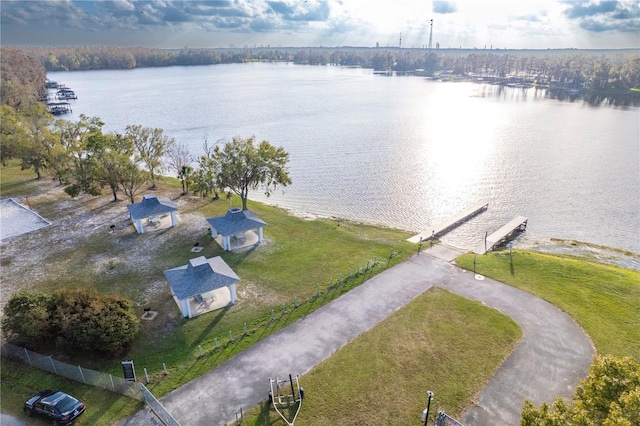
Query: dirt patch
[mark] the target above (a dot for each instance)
(252, 291)
(95, 235)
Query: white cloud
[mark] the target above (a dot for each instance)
(466, 23)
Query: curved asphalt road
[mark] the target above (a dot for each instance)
(552, 357)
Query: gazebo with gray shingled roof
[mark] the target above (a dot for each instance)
(153, 209)
(202, 285)
(236, 228)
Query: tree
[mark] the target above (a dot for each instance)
(205, 177)
(242, 167)
(74, 140)
(112, 153)
(22, 78)
(69, 155)
(185, 177)
(626, 412)
(131, 179)
(151, 146)
(199, 186)
(35, 145)
(12, 132)
(27, 318)
(80, 319)
(610, 395)
(180, 161)
(89, 321)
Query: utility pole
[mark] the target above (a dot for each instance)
(425, 413)
(430, 34)
(400, 40)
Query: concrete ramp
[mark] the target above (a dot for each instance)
(445, 252)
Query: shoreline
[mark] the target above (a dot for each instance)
(581, 249)
(590, 252)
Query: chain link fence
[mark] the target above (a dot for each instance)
(139, 392)
(326, 291)
(74, 372)
(157, 408)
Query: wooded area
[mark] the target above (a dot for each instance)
(602, 72)
(23, 78)
(596, 70)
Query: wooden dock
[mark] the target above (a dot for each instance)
(452, 222)
(516, 225)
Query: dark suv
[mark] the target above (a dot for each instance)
(59, 407)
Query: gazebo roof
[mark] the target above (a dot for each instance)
(199, 276)
(151, 206)
(236, 220)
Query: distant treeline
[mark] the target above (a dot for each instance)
(605, 71)
(599, 70)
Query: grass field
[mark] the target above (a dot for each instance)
(297, 256)
(604, 300)
(439, 342)
(19, 382)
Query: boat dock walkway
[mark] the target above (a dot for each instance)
(517, 224)
(448, 224)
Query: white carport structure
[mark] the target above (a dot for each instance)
(202, 285)
(237, 229)
(154, 210)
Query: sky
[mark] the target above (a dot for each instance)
(503, 24)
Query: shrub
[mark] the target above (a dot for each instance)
(89, 321)
(610, 395)
(75, 320)
(27, 318)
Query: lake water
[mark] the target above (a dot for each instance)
(405, 152)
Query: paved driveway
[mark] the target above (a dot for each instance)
(552, 357)
(8, 420)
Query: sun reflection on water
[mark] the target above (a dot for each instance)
(457, 146)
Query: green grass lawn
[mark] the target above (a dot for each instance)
(297, 258)
(604, 300)
(19, 382)
(439, 342)
(16, 182)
